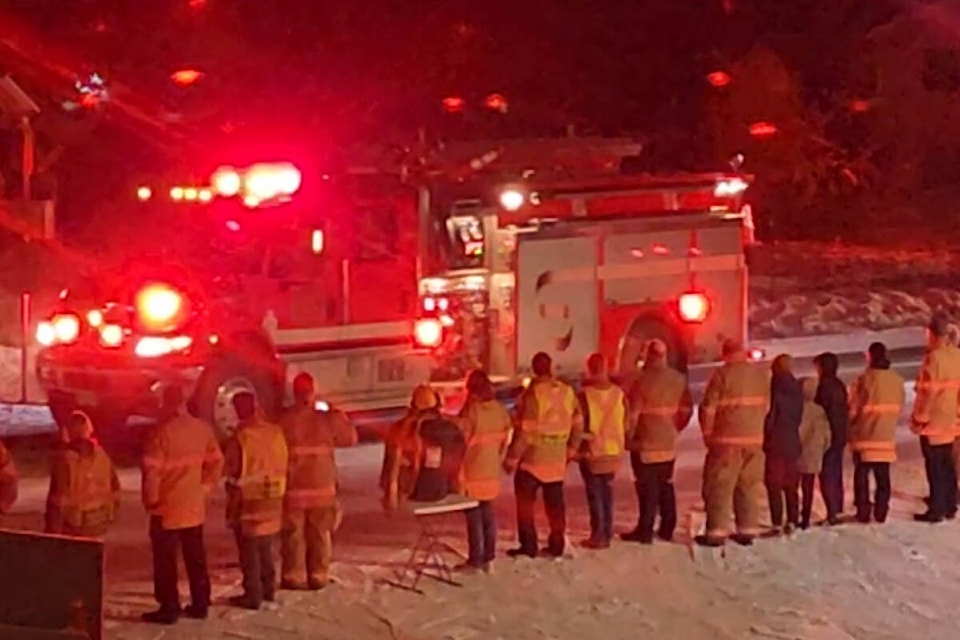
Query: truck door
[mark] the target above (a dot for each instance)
(556, 300)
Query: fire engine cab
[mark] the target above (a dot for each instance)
(564, 247)
(383, 273)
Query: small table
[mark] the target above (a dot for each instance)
(427, 555)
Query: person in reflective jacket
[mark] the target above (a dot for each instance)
(84, 493)
(311, 512)
(604, 408)
(486, 429)
(256, 473)
(876, 399)
(548, 428)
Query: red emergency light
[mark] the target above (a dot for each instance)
(428, 332)
(694, 307)
(160, 307)
(186, 77)
(453, 104)
(718, 79)
(763, 130)
(496, 102)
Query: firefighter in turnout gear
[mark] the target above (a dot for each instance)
(660, 408)
(876, 398)
(256, 473)
(934, 419)
(84, 490)
(604, 407)
(549, 427)
(486, 431)
(181, 466)
(8, 480)
(732, 417)
(311, 512)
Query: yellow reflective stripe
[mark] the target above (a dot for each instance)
(310, 451)
(321, 492)
(882, 408)
(662, 412)
(738, 441)
(743, 401)
(873, 445)
(937, 385)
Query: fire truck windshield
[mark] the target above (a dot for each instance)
(463, 242)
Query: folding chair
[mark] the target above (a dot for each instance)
(427, 555)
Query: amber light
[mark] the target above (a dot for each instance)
(693, 307)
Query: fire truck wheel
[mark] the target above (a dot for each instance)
(642, 331)
(213, 400)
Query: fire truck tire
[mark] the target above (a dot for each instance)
(212, 400)
(643, 330)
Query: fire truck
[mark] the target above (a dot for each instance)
(381, 274)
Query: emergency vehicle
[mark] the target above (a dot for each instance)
(382, 274)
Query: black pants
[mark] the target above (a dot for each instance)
(525, 486)
(165, 544)
(861, 489)
(807, 482)
(783, 481)
(941, 476)
(831, 481)
(256, 563)
(481, 534)
(655, 493)
(599, 488)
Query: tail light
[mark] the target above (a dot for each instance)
(428, 332)
(693, 307)
(160, 307)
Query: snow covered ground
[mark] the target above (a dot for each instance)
(891, 581)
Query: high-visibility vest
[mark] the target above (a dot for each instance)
(488, 431)
(607, 420)
(89, 501)
(263, 472)
(548, 433)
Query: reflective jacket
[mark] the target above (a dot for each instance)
(549, 428)
(876, 399)
(735, 405)
(661, 407)
(182, 464)
(938, 386)
(311, 437)
(84, 491)
(8, 480)
(604, 408)
(486, 429)
(256, 471)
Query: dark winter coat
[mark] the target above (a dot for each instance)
(832, 396)
(781, 429)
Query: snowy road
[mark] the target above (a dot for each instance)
(848, 582)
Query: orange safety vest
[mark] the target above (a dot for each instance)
(263, 471)
(89, 502)
(608, 419)
(548, 434)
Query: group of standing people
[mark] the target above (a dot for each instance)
(280, 479)
(765, 433)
